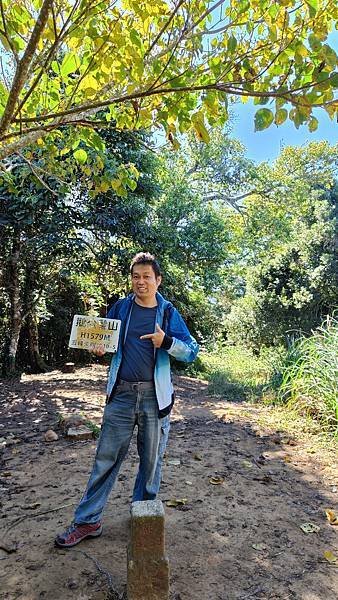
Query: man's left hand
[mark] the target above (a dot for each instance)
(156, 337)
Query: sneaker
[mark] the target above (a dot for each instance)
(76, 533)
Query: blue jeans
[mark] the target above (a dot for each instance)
(126, 409)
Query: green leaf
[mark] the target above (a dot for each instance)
(331, 111)
(313, 124)
(80, 155)
(263, 119)
(298, 116)
(89, 84)
(258, 100)
(56, 67)
(313, 7)
(200, 128)
(334, 80)
(313, 4)
(22, 14)
(273, 10)
(329, 55)
(232, 44)
(281, 116)
(4, 42)
(131, 183)
(69, 64)
(314, 43)
(3, 94)
(135, 38)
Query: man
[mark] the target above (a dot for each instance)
(139, 392)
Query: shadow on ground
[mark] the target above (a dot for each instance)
(237, 540)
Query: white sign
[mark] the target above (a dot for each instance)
(91, 333)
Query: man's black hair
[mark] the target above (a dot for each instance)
(145, 258)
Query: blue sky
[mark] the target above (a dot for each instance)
(266, 145)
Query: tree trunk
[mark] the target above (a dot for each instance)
(13, 284)
(36, 361)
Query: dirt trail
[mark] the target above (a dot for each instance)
(238, 540)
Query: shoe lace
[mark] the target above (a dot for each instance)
(71, 529)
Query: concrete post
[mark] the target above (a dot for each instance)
(148, 567)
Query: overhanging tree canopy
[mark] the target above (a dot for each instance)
(159, 62)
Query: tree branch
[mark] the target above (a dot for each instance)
(205, 14)
(229, 88)
(185, 33)
(219, 195)
(77, 122)
(50, 54)
(165, 26)
(6, 34)
(23, 65)
(36, 174)
(77, 114)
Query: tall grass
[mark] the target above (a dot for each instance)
(232, 372)
(303, 377)
(310, 375)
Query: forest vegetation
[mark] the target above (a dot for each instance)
(248, 250)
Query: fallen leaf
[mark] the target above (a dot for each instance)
(247, 464)
(330, 557)
(31, 506)
(176, 502)
(259, 546)
(331, 516)
(216, 480)
(197, 457)
(309, 528)
(287, 459)
(226, 419)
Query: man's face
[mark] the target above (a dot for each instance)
(145, 282)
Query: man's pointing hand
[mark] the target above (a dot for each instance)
(156, 337)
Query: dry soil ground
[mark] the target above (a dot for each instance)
(237, 540)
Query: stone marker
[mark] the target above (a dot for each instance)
(148, 567)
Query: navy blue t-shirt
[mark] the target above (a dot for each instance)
(138, 358)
